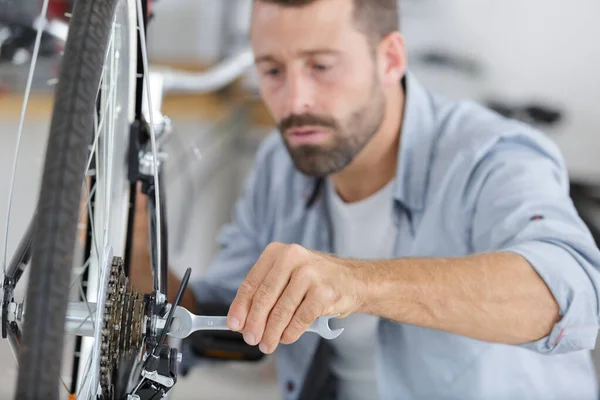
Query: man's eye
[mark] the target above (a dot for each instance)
(321, 67)
(272, 72)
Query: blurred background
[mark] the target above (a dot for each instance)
(535, 60)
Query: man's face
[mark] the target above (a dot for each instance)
(319, 80)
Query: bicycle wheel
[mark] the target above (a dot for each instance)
(86, 153)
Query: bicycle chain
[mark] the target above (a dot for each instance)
(122, 332)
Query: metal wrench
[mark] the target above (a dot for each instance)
(185, 323)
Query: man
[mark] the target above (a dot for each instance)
(442, 234)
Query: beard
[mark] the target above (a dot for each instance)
(349, 137)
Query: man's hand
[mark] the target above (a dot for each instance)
(288, 288)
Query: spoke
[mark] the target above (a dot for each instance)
(108, 142)
(91, 316)
(64, 384)
(86, 375)
(81, 272)
(104, 277)
(92, 226)
(85, 206)
(100, 130)
(93, 151)
(36, 50)
(152, 136)
(94, 145)
(98, 127)
(87, 305)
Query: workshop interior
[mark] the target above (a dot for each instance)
(535, 61)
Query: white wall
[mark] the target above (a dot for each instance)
(530, 50)
(185, 30)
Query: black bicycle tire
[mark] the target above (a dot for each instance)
(71, 132)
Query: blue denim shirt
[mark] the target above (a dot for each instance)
(468, 181)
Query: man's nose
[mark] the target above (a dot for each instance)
(299, 94)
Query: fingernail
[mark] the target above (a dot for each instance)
(234, 323)
(263, 348)
(249, 338)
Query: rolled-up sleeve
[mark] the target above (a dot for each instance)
(523, 206)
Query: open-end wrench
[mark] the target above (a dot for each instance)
(185, 323)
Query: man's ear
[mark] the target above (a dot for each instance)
(392, 57)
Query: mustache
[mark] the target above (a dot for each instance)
(300, 120)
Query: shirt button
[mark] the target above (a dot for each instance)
(290, 386)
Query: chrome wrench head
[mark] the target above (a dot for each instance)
(181, 326)
(321, 326)
(185, 323)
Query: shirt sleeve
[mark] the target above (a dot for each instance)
(523, 206)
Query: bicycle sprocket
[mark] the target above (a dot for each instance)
(123, 325)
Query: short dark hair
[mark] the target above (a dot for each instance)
(375, 18)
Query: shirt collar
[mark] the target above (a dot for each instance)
(416, 145)
(415, 148)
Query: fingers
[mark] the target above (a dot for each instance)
(265, 298)
(282, 314)
(305, 315)
(240, 307)
(260, 306)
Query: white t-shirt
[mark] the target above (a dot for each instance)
(362, 230)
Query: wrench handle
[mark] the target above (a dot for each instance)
(205, 323)
(214, 323)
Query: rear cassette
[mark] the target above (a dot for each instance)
(122, 333)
